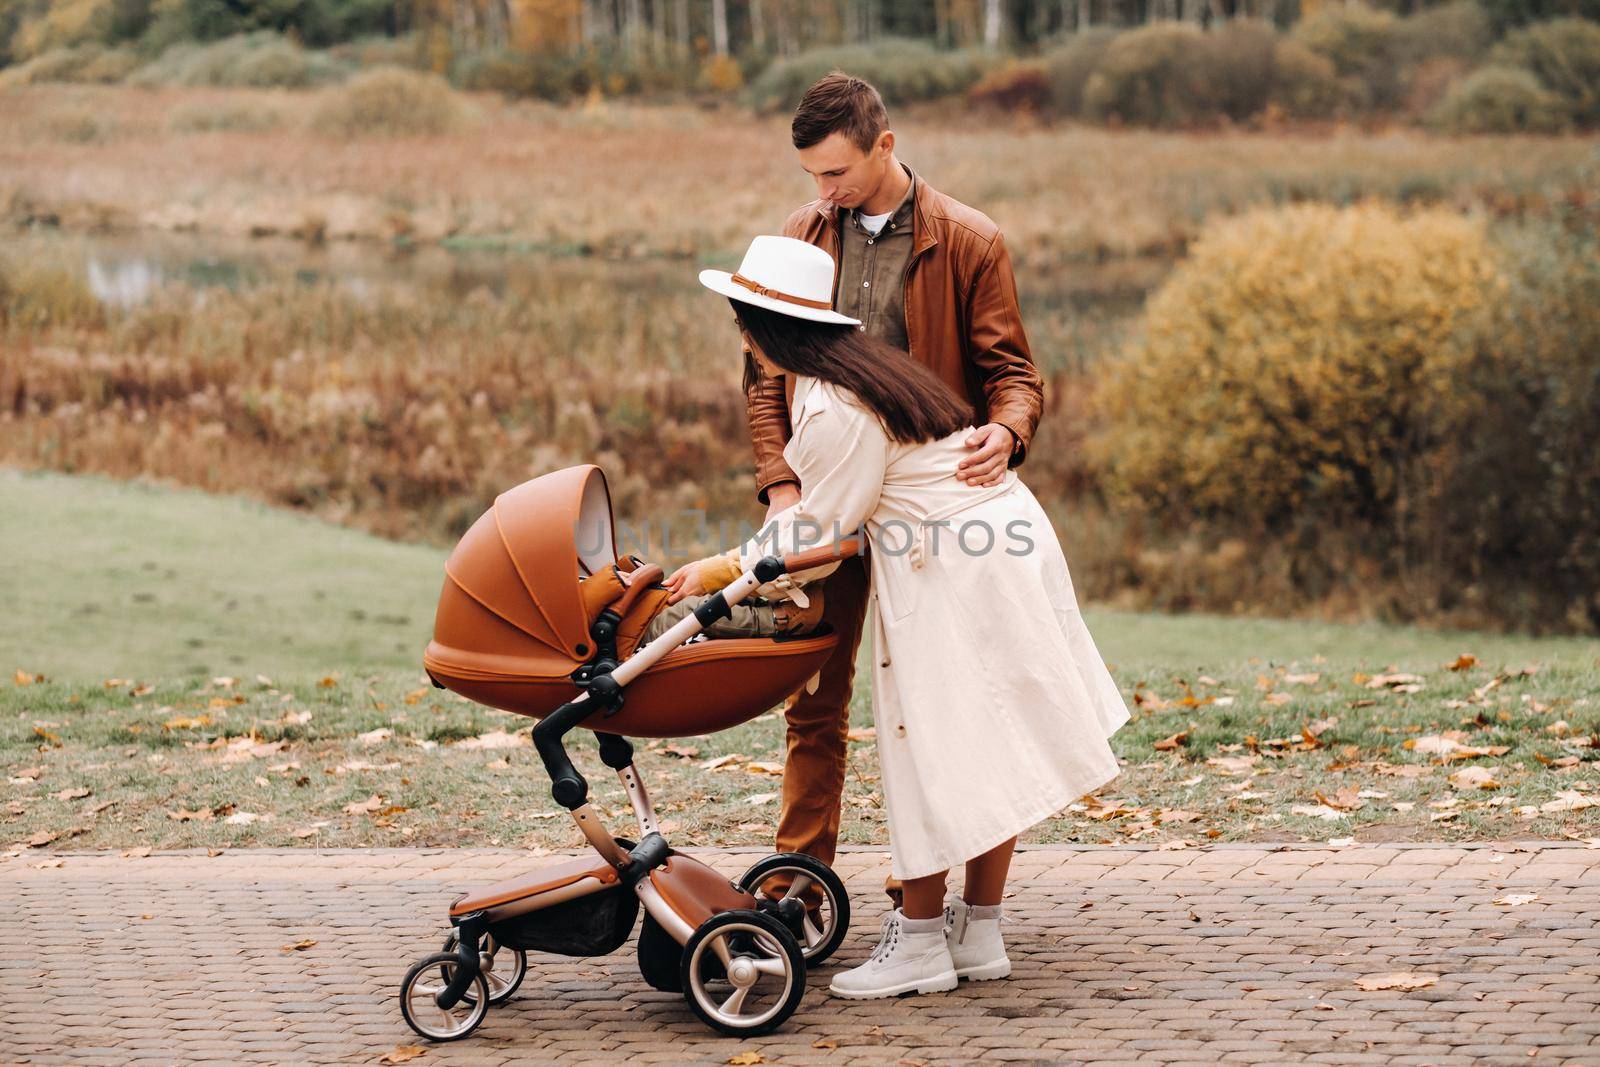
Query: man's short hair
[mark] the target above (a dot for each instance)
(843, 104)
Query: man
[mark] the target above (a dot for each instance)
(927, 274)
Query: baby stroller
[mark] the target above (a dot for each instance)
(533, 619)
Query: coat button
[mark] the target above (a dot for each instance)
(900, 730)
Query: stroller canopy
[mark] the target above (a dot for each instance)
(522, 560)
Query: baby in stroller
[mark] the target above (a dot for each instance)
(791, 611)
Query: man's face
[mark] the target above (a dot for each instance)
(845, 175)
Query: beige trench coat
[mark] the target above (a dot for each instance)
(991, 704)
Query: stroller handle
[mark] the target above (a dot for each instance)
(830, 553)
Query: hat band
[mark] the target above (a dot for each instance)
(776, 294)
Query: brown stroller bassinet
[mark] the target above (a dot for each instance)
(533, 619)
(514, 629)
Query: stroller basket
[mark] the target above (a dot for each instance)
(593, 925)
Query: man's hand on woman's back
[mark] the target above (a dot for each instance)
(992, 445)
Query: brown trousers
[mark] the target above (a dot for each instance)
(819, 724)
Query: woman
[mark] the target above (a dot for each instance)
(991, 704)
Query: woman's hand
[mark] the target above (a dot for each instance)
(685, 581)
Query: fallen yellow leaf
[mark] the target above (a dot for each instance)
(1397, 980)
(1177, 740)
(1474, 778)
(187, 722)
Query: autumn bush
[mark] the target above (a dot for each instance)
(390, 102)
(1069, 65)
(1305, 84)
(1499, 99)
(1296, 362)
(1366, 46)
(1149, 77)
(88, 64)
(903, 70)
(1174, 74)
(1522, 495)
(257, 60)
(1564, 55)
(1015, 87)
(1458, 29)
(1328, 384)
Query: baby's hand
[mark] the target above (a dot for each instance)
(685, 582)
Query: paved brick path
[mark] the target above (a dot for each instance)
(1224, 953)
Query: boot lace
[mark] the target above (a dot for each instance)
(888, 937)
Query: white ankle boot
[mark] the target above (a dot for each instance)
(976, 948)
(911, 957)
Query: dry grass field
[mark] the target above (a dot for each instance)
(631, 180)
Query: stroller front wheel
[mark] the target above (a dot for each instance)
(743, 973)
(426, 979)
(782, 883)
(503, 968)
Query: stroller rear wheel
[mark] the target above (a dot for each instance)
(780, 884)
(425, 980)
(503, 968)
(743, 973)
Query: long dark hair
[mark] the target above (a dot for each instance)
(913, 403)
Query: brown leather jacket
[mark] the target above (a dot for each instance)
(962, 321)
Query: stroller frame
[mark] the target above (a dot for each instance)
(740, 933)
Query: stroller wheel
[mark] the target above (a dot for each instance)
(780, 883)
(503, 968)
(743, 973)
(425, 980)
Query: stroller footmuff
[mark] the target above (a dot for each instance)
(533, 620)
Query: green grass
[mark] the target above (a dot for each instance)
(132, 601)
(113, 579)
(104, 579)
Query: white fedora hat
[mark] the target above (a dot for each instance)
(785, 275)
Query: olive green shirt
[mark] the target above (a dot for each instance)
(872, 271)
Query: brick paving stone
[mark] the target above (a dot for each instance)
(1132, 978)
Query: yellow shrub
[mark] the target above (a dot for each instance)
(721, 74)
(1297, 364)
(390, 102)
